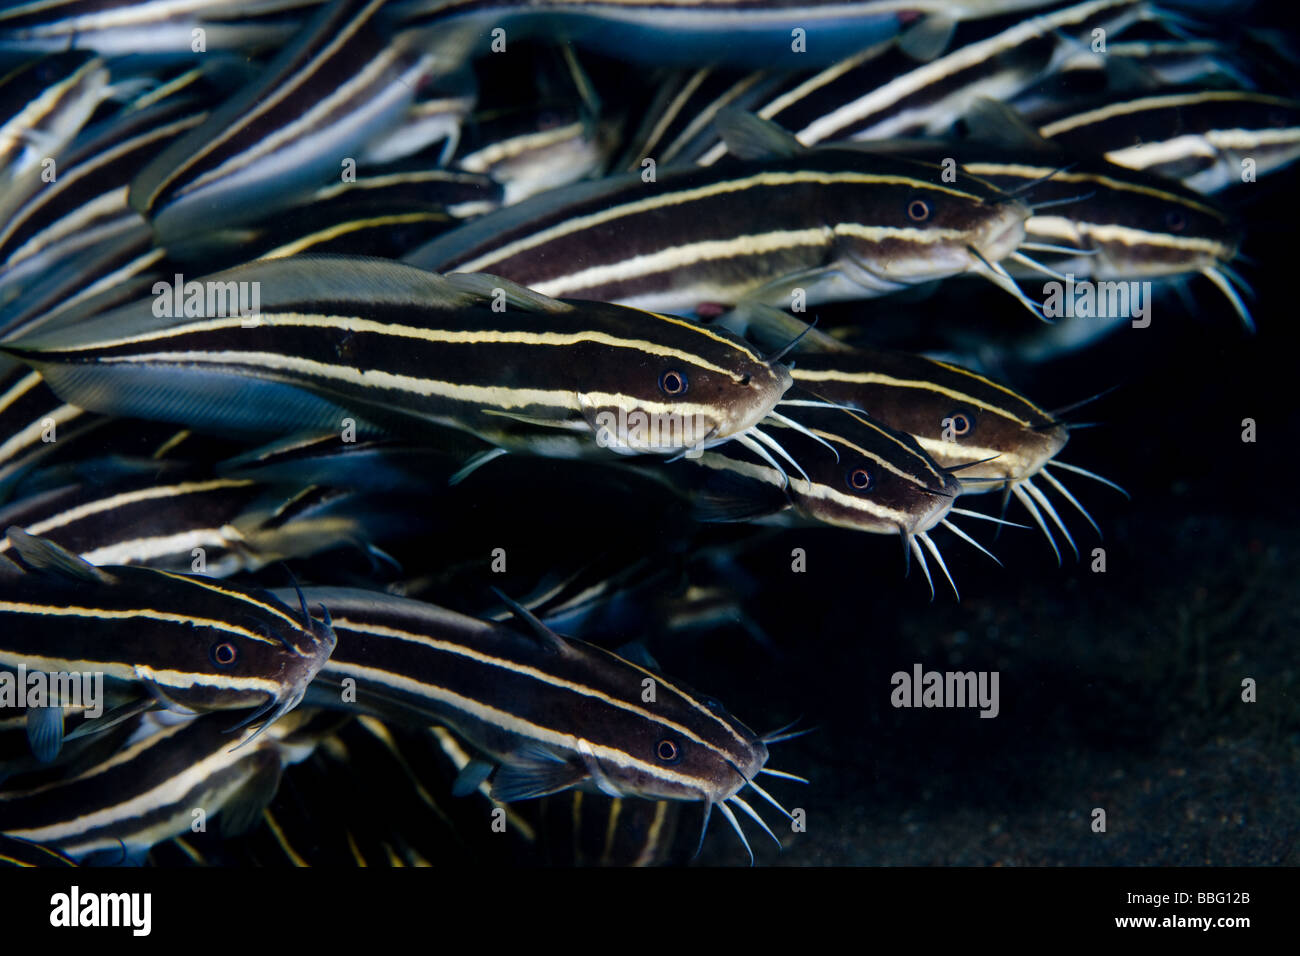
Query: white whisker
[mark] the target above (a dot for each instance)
(810, 403)
(1089, 474)
(735, 825)
(969, 540)
(749, 811)
(999, 276)
(1226, 288)
(780, 730)
(934, 550)
(1037, 494)
(708, 813)
(791, 423)
(761, 452)
(1065, 493)
(920, 559)
(773, 444)
(1037, 266)
(770, 799)
(778, 738)
(783, 775)
(1235, 278)
(966, 512)
(1064, 250)
(1034, 513)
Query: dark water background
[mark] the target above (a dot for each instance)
(1119, 690)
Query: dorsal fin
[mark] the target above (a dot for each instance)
(990, 121)
(925, 40)
(517, 296)
(638, 653)
(283, 283)
(544, 634)
(771, 328)
(751, 137)
(45, 555)
(8, 569)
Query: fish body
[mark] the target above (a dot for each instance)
(338, 339)
(550, 712)
(145, 792)
(1200, 138)
(185, 642)
(836, 224)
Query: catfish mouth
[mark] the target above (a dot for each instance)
(1004, 234)
(643, 432)
(1036, 450)
(927, 513)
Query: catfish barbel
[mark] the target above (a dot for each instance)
(866, 98)
(1199, 138)
(751, 33)
(1096, 220)
(851, 472)
(990, 436)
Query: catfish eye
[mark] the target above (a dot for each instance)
(668, 751)
(672, 382)
(224, 654)
(1174, 221)
(918, 210)
(861, 479)
(960, 423)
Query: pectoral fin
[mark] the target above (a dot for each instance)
(535, 772)
(45, 732)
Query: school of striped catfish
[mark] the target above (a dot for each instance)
(294, 295)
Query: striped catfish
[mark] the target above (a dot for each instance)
(24, 853)
(990, 436)
(87, 282)
(337, 88)
(158, 638)
(337, 339)
(86, 205)
(1095, 220)
(837, 224)
(1202, 138)
(162, 28)
(184, 519)
(436, 117)
(369, 795)
(867, 98)
(1137, 64)
(778, 34)
(43, 104)
(382, 215)
(146, 792)
(851, 472)
(43, 430)
(33, 420)
(542, 148)
(678, 124)
(547, 713)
